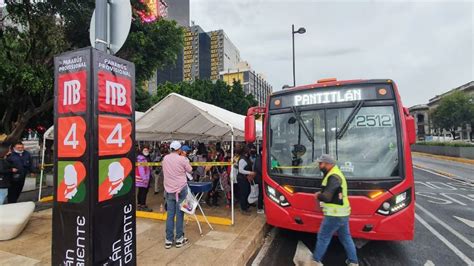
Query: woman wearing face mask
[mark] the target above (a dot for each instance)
(142, 179)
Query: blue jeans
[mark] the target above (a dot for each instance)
(329, 226)
(3, 195)
(173, 210)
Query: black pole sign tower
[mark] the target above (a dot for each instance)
(94, 197)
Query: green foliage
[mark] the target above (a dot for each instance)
(36, 32)
(454, 110)
(448, 144)
(217, 93)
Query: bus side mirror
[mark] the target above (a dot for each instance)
(410, 126)
(411, 131)
(250, 131)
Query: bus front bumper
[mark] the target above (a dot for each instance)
(398, 226)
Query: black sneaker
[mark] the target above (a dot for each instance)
(168, 244)
(181, 242)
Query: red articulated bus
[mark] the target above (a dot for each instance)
(362, 124)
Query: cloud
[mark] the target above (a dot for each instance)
(426, 47)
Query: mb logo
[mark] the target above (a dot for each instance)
(71, 94)
(115, 93)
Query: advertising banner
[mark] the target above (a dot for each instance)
(94, 196)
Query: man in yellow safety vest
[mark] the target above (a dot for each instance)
(336, 208)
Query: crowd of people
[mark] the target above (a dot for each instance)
(176, 171)
(247, 170)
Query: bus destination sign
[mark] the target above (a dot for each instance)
(332, 95)
(335, 96)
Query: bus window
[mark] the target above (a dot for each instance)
(291, 151)
(369, 148)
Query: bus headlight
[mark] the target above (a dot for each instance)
(276, 196)
(396, 203)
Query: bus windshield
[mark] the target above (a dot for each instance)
(367, 150)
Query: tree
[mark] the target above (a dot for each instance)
(36, 32)
(454, 110)
(217, 93)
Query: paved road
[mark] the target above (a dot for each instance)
(462, 170)
(440, 237)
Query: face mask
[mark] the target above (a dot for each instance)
(146, 153)
(323, 170)
(17, 151)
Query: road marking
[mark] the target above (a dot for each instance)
(466, 221)
(266, 246)
(434, 196)
(449, 228)
(447, 177)
(455, 200)
(461, 255)
(440, 185)
(429, 263)
(303, 256)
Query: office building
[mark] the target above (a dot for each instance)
(205, 55)
(421, 114)
(178, 10)
(252, 82)
(224, 54)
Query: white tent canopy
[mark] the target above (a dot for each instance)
(180, 117)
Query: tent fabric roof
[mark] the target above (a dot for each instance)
(182, 118)
(49, 134)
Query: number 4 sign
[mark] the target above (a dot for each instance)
(114, 135)
(71, 140)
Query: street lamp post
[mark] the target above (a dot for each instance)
(301, 30)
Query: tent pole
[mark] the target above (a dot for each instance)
(232, 173)
(42, 167)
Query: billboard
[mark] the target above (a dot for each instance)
(94, 195)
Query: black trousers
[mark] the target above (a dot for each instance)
(141, 196)
(258, 180)
(244, 192)
(14, 191)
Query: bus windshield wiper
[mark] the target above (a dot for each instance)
(349, 119)
(301, 123)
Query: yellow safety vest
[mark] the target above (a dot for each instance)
(331, 209)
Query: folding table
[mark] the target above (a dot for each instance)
(198, 189)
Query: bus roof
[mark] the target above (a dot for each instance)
(332, 83)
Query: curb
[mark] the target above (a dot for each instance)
(246, 244)
(446, 158)
(162, 217)
(448, 175)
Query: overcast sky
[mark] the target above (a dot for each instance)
(426, 47)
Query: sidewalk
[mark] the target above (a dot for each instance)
(226, 245)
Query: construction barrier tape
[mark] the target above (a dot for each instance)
(192, 164)
(159, 164)
(294, 167)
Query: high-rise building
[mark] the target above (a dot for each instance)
(178, 10)
(224, 54)
(196, 54)
(205, 55)
(252, 83)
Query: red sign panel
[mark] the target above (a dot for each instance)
(114, 135)
(72, 92)
(114, 94)
(71, 136)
